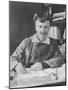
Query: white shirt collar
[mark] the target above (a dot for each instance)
(35, 39)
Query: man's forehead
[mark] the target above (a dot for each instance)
(45, 23)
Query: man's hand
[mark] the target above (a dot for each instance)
(37, 66)
(13, 62)
(19, 68)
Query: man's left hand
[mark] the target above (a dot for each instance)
(37, 66)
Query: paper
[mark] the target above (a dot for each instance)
(52, 72)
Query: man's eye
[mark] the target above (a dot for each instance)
(46, 27)
(40, 26)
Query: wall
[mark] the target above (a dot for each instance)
(21, 22)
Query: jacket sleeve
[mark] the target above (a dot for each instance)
(15, 58)
(57, 59)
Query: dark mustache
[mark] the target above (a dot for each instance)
(43, 32)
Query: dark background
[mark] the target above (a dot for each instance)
(21, 22)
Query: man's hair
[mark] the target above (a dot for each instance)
(42, 17)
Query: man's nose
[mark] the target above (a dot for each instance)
(43, 29)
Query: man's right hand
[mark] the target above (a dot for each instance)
(13, 62)
(19, 68)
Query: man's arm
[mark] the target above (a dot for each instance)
(15, 59)
(55, 62)
(57, 59)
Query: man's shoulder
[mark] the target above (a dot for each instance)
(28, 40)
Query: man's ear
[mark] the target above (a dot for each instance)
(35, 22)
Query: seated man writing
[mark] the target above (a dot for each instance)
(38, 51)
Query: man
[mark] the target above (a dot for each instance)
(38, 51)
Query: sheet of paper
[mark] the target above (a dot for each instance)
(42, 73)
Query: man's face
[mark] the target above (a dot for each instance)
(42, 28)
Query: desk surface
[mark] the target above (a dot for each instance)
(25, 80)
(33, 82)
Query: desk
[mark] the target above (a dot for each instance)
(40, 79)
(35, 82)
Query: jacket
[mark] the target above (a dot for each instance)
(23, 51)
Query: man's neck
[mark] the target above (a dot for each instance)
(41, 38)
